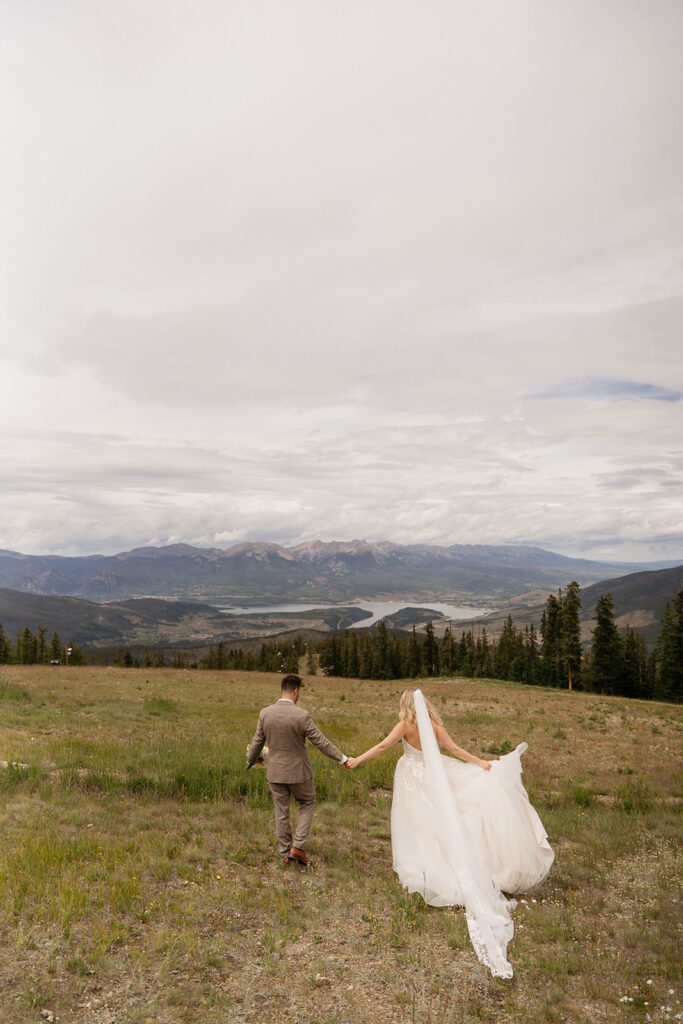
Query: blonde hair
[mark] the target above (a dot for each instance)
(406, 709)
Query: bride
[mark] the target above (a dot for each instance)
(462, 834)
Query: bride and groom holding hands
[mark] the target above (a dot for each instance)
(463, 832)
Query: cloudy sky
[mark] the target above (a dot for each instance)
(365, 269)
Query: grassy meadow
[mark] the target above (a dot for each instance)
(139, 878)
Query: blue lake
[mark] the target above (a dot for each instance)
(378, 609)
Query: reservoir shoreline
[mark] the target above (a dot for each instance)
(378, 609)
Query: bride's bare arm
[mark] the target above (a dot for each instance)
(396, 734)
(445, 741)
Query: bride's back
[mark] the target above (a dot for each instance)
(407, 717)
(412, 734)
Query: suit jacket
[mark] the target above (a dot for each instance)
(285, 727)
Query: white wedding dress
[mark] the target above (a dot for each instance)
(462, 836)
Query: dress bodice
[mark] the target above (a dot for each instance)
(412, 753)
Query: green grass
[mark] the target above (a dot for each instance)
(16, 693)
(139, 879)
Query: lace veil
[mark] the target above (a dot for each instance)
(486, 909)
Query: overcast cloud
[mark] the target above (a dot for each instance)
(381, 270)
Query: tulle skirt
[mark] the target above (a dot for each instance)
(502, 829)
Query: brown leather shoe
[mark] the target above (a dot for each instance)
(299, 857)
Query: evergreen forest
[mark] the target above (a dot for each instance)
(612, 663)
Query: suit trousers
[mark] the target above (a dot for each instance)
(304, 794)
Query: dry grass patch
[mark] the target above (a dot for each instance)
(139, 880)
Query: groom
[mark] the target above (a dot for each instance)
(284, 727)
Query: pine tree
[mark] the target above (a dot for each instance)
(629, 683)
(448, 655)
(380, 661)
(430, 652)
(397, 657)
(27, 647)
(365, 658)
(42, 646)
(636, 680)
(518, 656)
(466, 653)
(504, 650)
(481, 650)
(669, 653)
(329, 656)
(55, 648)
(550, 642)
(645, 669)
(77, 657)
(570, 634)
(607, 648)
(4, 647)
(413, 657)
(221, 661)
(531, 665)
(354, 663)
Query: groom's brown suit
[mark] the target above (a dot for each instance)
(285, 728)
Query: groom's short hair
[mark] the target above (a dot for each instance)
(290, 683)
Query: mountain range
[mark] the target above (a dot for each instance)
(639, 600)
(313, 571)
